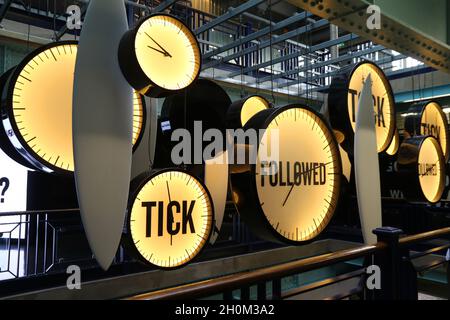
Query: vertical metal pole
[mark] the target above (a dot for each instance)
(276, 289)
(448, 280)
(27, 248)
(261, 287)
(389, 262)
(334, 34)
(45, 242)
(245, 293)
(36, 248)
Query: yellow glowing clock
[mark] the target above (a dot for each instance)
(170, 218)
(422, 164)
(241, 111)
(160, 56)
(37, 107)
(290, 192)
(429, 119)
(394, 145)
(343, 100)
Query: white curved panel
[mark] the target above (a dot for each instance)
(102, 128)
(216, 180)
(367, 169)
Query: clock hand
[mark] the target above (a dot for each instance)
(429, 169)
(171, 214)
(298, 174)
(165, 54)
(165, 51)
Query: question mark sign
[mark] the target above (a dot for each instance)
(4, 181)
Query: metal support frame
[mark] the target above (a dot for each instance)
(322, 64)
(294, 55)
(267, 43)
(351, 15)
(164, 5)
(255, 35)
(230, 14)
(4, 9)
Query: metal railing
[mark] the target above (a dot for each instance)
(391, 253)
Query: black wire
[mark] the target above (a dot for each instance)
(271, 53)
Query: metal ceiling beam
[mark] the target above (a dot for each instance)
(4, 9)
(164, 5)
(378, 62)
(334, 73)
(229, 15)
(410, 70)
(351, 15)
(322, 64)
(267, 43)
(255, 35)
(294, 55)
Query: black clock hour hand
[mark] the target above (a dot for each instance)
(171, 219)
(292, 188)
(165, 51)
(290, 191)
(157, 50)
(429, 170)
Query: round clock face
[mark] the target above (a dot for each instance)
(39, 107)
(431, 170)
(394, 145)
(252, 106)
(161, 55)
(383, 101)
(298, 194)
(171, 218)
(434, 122)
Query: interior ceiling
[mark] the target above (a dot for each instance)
(351, 15)
(259, 15)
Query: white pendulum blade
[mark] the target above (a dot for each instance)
(324, 110)
(367, 169)
(102, 128)
(216, 180)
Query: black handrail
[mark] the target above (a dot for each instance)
(389, 253)
(243, 279)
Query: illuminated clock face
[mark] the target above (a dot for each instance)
(167, 52)
(434, 122)
(252, 106)
(394, 145)
(298, 193)
(171, 219)
(431, 170)
(383, 102)
(40, 107)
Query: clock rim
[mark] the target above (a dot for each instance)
(338, 100)
(135, 187)
(442, 162)
(234, 113)
(8, 91)
(5, 142)
(412, 187)
(132, 68)
(415, 120)
(257, 209)
(144, 122)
